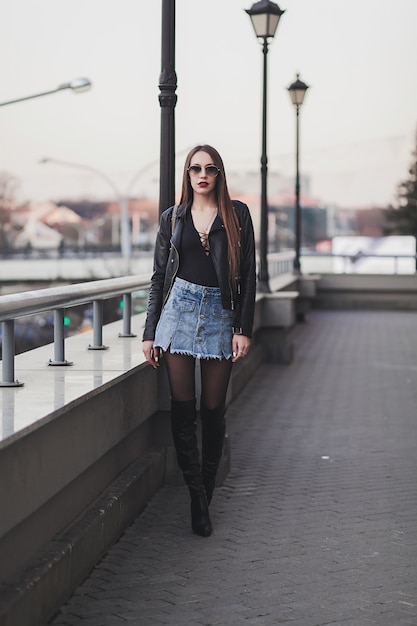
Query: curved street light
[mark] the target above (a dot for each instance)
(122, 199)
(297, 91)
(126, 244)
(77, 85)
(265, 16)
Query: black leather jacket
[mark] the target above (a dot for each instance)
(166, 263)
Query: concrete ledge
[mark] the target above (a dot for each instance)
(55, 471)
(51, 578)
(367, 291)
(283, 282)
(244, 370)
(303, 287)
(278, 309)
(307, 288)
(101, 417)
(276, 345)
(307, 285)
(277, 316)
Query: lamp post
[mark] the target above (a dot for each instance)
(77, 85)
(297, 91)
(126, 244)
(265, 16)
(167, 101)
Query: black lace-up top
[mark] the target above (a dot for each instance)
(195, 265)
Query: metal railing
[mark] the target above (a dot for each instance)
(57, 299)
(280, 263)
(348, 263)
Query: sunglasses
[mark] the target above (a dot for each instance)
(211, 170)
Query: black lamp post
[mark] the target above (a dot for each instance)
(167, 101)
(297, 92)
(265, 16)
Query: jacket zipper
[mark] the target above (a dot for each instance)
(173, 277)
(232, 303)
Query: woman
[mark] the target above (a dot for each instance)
(201, 305)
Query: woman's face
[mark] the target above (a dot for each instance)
(203, 173)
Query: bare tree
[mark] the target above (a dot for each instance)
(402, 217)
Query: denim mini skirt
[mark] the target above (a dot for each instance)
(193, 322)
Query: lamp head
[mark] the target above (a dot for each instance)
(297, 91)
(265, 16)
(77, 85)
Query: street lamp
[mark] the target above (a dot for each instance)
(126, 244)
(167, 101)
(265, 16)
(297, 92)
(77, 85)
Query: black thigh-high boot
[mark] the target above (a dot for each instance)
(184, 427)
(213, 429)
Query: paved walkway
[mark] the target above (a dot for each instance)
(317, 523)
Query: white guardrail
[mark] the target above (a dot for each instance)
(57, 299)
(358, 263)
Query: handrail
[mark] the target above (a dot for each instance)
(31, 302)
(14, 306)
(354, 257)
(56, 299)
(280, 263)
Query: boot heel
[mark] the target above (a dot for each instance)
(200, 518)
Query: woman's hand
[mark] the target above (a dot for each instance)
(240, 347)
(151, 354)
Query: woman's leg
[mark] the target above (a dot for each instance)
(181, 376)
(215, 376)
(181, 373)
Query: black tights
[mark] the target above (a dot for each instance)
(215, 374)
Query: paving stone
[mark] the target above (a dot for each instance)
(316, 524)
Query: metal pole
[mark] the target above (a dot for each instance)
(126, 245)
(167, 101)
(79, 84)
(8, 347)
(59, 339)
(38, 95)
(127, 316)
(297, 264)
(97, 326)
(59, 352)
(263, 277)
(125, 239)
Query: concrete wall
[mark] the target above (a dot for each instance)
(352, 291)
(75, 478)
(56, 470)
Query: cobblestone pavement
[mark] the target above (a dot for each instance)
(317, 523)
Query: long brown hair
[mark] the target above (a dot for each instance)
(224, 203)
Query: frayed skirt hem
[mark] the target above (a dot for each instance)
(196, 355)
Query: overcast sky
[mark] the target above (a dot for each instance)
(358, 121)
